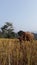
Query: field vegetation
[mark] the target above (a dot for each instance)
(14, 53)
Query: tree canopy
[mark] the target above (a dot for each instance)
(7, 30)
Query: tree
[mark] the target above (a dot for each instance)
(7, 30)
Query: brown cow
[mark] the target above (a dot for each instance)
(28, 36)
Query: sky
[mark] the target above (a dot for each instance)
(21, 13)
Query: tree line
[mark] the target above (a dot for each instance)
(7, 31)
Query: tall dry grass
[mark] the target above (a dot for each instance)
(14, 53)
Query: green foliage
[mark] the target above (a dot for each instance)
(7, 30)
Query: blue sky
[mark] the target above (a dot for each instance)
(22, 13)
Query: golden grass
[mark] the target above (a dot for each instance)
(12, 53)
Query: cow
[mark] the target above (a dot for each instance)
(28, 36)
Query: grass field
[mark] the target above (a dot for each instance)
(14, 53)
